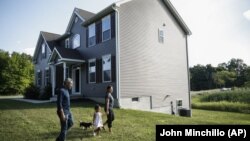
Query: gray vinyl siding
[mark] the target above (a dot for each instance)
(148, 67)
(98, 89)
(42, 63)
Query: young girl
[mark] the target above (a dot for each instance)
(97, 120)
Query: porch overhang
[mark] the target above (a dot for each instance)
(64, 55)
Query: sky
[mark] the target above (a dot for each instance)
(220, 28)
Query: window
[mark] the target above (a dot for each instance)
(92, 36)
(43, 50)
(161, 35)
(106, 28)
(135, 99)
(179, 103)
(106, 68)
(76, 41)
(67, 43)
(76, 19)
(92, 71)
(47, 77)
(39, 78)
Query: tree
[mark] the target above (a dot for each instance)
(239, 67)
(221, 78)
(247, 74)
(17, 73)
(4, 59)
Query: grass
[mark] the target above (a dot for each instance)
(232, 101)
(25, 121)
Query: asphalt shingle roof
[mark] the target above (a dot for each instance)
(67, 53)
(50, 37)
(85, 14)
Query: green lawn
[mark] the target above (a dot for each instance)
(25, 121)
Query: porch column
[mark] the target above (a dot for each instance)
(64, 71)
(53, 79)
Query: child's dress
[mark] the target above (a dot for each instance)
(98, 120)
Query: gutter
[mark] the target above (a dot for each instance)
(189, 86)
(115, 7)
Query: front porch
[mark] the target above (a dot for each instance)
(66, 63)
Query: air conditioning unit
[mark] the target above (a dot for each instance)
(184, 112)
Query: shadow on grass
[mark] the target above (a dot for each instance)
(75, 133)
(7, 104)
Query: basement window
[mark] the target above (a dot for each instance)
(135, 99)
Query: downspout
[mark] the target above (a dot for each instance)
(115, 7)
(188, 73)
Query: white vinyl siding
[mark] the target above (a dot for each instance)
(92, 71)
(106, 28)
(92, 35)
(76, 41)
(106, 68)
(147, 67)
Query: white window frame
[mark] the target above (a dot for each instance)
(67, 43)
(161, 35)
(89, 70)
(75, 43)
(106, 19)
(103, 58)
(92, 26)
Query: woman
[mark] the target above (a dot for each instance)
(109, 103)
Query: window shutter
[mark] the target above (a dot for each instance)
(98, 70)
(98, 32)
(113, 25)
(87, 37)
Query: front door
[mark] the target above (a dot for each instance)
(76, 81)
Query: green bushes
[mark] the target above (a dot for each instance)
(47, 93)
(232, 101)
(32, 92)
(242, 96)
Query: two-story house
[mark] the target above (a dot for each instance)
(138, 46)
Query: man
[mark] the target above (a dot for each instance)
(63, 109)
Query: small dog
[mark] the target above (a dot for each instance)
(85, 125)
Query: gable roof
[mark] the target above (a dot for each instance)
(49, 41)
(167, 3)
(50, 38)
(66, 54)
(177, 17)
(81, 14)
(84, 14)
